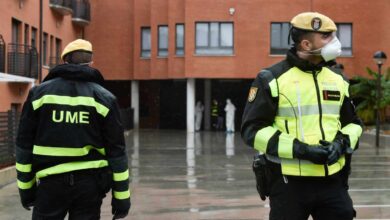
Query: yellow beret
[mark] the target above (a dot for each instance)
(313, 21)
(78, 44)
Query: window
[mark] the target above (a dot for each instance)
(26, 34)
(51, 50)
(58, 48)
(34, 37)
(55, 60)
(344, 34)
(16, 25)
(180, 39)
(145, 42)
(214, 38)
(44, 48)
(279, 37)
(163, 41)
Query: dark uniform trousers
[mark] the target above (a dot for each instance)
(78, 193)
(296, 198)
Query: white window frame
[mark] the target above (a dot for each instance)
(214, 44)
(162, 51)
(146, 52)
(347, 50)
(179, 50)
(282, 44)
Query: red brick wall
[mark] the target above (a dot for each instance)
(251, 19)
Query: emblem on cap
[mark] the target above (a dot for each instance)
(316, 23)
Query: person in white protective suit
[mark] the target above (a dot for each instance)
(198, 115)
(230, 110)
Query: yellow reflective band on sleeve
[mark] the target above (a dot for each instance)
(121, 176)
(72, 101)
(25, 168)
(354, 132)
(285, 146)
(122, 194)
(65, 151)
(72, 166)
(337, 166)
(262, 137)
(274, 88)
(346, 84)
(26, 185)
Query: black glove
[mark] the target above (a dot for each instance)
(28, 206)
(120, 207)
(27, 197)
(337, 147)
(317, 154)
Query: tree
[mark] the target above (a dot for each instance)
(364, 92)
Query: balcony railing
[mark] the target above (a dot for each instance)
(22, 60)
(54, 61)
(2, 54)
(63, 7)
(81, 12)
(8, 128)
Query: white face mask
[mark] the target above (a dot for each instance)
(330, 51)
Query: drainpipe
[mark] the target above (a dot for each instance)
(40, 41)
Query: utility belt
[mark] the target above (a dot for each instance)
(103, 176)
(267, 171)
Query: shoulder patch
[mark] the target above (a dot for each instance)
(252, 94)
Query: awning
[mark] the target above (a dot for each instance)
(14, 78)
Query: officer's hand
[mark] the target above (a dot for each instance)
(28, 206)
(317, 154)
(27, 197)
(335, 149)
(120, 214)
(120, 207)
(339, 146)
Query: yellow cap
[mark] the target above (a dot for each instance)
(313, 21)
(78, 44)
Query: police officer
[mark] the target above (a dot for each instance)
(70, 147)
(214, 114)
(299, 113)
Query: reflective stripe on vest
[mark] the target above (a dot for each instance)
(71, 166)
(65, 151)
(72, 101)
(327, 109)
(296, 167)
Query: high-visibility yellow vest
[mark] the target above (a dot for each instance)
(214, 110)
(309, 110)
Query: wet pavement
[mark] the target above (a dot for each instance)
(207, 175)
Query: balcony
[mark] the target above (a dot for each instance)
(63, 7)
(22, 60)
(81, 12)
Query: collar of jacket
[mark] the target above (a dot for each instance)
(75, 72)
(304, 65)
